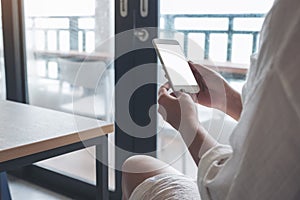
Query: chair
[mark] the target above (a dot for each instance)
(95, 80)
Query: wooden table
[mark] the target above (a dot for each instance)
(29, 134)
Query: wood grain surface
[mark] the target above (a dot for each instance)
(26, 129)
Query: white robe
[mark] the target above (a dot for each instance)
(265, 158)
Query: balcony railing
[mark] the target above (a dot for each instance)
(63, 24)
(230, 31)
(78, 39)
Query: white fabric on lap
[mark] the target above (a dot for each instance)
(167, 186)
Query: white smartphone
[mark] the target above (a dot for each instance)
(175, 65)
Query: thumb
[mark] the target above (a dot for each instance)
(198, 73)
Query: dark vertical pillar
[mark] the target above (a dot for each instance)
(14, 50)
(102, 191)
(135, 26)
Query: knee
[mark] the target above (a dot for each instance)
(132, 175)
(138, 168)
(135, 164)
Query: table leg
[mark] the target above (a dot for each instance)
(4, 189)
(102, 170)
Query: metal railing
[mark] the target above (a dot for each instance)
(169, 24)
(69, 25)
(73, 28)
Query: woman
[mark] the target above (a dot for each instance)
(262, 161)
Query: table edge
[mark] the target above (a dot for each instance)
(38, 147)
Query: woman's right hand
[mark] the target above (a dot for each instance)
(215, 92)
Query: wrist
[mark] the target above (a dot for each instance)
(200, 144)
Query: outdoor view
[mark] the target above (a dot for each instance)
(61, 37)
(241, 43)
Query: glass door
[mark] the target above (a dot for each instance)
(70, 49)
(221, 35)
(64, 40)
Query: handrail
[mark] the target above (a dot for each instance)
(170, 22)
(170, 19)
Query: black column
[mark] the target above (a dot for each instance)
(14, 50)
(133, 51)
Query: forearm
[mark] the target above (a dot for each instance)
(198, 143)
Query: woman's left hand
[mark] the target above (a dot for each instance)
(178, 109)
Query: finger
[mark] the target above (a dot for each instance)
(195, 69)
(173, 95)
(166, 99)
(176, 94)
(194, 97)
(164, 88)
(167, 85)
(199, 69)
(199, 73)
(163, 91)
(192, 66)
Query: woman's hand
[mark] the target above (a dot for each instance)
(178, 109)
(215, 92)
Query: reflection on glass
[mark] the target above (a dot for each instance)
(67, 71)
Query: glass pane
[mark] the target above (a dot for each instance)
(2, 73)
(69, 67)
(219, 33)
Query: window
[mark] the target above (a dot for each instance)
(68, 67)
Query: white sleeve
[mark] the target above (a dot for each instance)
(210, 165)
